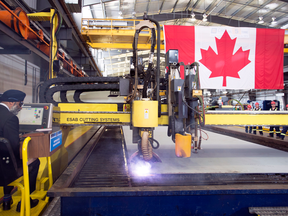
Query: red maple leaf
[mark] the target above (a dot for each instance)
(225, 63)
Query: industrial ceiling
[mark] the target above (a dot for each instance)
(237, 13)
(116, 62)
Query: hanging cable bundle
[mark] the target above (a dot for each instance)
(138, 69)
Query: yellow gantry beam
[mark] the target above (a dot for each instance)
(81, 114)
(115, 34)
(98, 114)
(121, 46)
(246, 118)
(87, 114)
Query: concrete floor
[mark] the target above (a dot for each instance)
(219, 154)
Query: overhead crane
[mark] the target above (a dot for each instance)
(119, 33)
(115, 34)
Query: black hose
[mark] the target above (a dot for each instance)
(152, 141)
(158, 60)
(135, 60)
(147, 77)
(173, 131)
(135, 43)
(139, 146)
(169, 130)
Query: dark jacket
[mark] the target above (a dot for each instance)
(9, 129)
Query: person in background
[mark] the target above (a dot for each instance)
(285, 128)
(249, 108)
(10, 104)
(271, 130)
(260, 130)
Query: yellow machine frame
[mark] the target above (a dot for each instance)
(105, 114)
(93, 114)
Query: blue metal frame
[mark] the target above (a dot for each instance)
(209, 202)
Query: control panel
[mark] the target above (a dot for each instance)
(35, 117)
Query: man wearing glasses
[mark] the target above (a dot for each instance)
(11, 102)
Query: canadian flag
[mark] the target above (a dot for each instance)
(230, 58)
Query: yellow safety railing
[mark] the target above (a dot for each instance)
(26, 176)
(20, 186)
(49, 175)
(26, 189)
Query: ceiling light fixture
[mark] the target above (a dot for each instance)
(120, 15)
(204, 18)
(274, 22)
(119, 59)
(193, 19)
(284, 26)
(261, 21)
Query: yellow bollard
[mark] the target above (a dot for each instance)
(183, 145)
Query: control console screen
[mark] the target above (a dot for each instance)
(35, 117)
(31, 116)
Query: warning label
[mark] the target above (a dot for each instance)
(146, 113)
(179, 88)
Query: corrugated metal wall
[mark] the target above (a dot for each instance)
(12, 75)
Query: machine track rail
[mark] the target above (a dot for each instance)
(261, 140)
(208, 179)
(80, 84)
(105, 166)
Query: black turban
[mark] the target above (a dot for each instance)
(12, 96)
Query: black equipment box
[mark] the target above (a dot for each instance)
(172, 57)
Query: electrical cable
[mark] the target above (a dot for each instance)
(152, 141)
(59, 22)
(203, 109)
(183, 99)
(135, 62)
(147, 73)
(229, 102)
(152, 91)
(205, 133)
(183, 95)
(158, 61)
